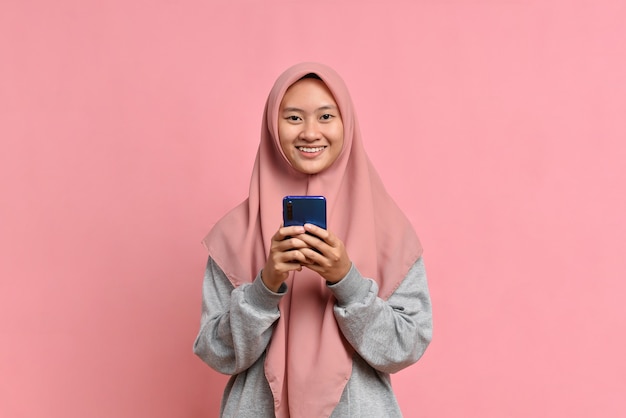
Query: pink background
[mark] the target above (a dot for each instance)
(128, 127)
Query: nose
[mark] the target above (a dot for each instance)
(310, 131)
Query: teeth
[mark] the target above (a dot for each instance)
(310, 149)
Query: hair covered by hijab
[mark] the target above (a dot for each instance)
(306, 370)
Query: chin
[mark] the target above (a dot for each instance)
(309, 170)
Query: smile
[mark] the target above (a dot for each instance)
(311, 149)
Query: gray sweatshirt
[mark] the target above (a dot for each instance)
(387, 336)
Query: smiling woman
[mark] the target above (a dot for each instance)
(310, 129)
(312, 324)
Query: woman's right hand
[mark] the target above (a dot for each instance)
(284, 256)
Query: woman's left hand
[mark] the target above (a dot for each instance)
(331, 259)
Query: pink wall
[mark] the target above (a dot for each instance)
(128, 127)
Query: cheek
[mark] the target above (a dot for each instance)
(283, 137)
(338, 137)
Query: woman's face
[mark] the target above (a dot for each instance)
(310, 129)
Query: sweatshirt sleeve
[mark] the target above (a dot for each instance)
(236, 323)
(388, 334)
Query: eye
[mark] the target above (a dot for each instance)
(293, 118)
(326, 116)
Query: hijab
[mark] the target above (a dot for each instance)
(308, 361)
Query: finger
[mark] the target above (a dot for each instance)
(294, 257)
(286, 231)
(316, 230)
(290, 244)
(292, 230)
(314, 243)
(313, 257)
(324, 235)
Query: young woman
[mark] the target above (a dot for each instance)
(311, 325)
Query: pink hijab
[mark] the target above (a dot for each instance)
(308, 361)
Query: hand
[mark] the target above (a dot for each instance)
(330, 260)
(285, 256)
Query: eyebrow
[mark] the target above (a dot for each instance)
(296, 109)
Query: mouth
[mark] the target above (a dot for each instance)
(310, 150)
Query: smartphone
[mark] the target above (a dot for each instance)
(298, 210)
